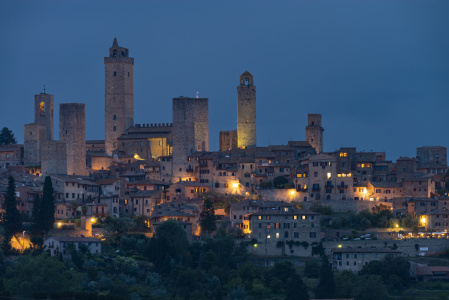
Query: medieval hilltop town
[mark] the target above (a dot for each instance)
(284, 201)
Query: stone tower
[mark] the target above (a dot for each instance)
(34, 135)
(314, 132)
(72, 131)
(54, 158)
(190, 133)
(118, 95)
(246, 111)
(43, 113)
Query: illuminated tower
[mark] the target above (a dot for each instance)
(246, 111)
(314, 132)
(43, 113)
(118, 95)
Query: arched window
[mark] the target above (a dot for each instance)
(115, 74)
(114, 117)
(114, 128)
(219, 174)
(246, 81)
(122, 54)
(114, 53)
(42, 108)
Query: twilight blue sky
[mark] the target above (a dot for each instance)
(377, 70)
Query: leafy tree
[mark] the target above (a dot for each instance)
(47, 206)
(169, 243)
(389, 266)
(207, 217)
(312, 269)
(12, 217)
(326, 285)
(40, 273)
(370, 288)
(296, 289)
(7, 137)
(344, 284)
(279, 182)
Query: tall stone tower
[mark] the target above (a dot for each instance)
(72, 131)
(118, 94)
(314, 132)
(246, 111)
(190, 133)
(34, 137)
(43, 114)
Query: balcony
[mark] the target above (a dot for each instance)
(342, 186)
(316, 188)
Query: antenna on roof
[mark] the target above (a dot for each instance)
(44, 88)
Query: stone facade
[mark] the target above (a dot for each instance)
(34, 136)
(246, 111)
(228, 140)
(190, 133)
(54, 157)
(119, 95)
(354, 259)
(43, 113)
(432, 159)
(72, 131)
(314, 132)
(275, 229)
(146, 141)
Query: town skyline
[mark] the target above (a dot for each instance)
(395, 94)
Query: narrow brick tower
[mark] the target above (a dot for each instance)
(314, 132)
(246, 111)
(118, 94)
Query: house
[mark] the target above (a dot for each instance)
(353, 259)
(57, 245)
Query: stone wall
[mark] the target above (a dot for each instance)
(72, 131)
(406, 246)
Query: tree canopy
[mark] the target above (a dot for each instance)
(7, 137)
(326, 285)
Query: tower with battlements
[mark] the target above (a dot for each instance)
(246, 111)
(119, 95)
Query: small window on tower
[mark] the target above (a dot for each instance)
(128, 74)
(115, 74)
(114, 128)
(114, 53)
(66, 132)
(114, 117)
(246, 120)
(246, 81)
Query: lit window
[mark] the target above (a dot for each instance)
(268, 236)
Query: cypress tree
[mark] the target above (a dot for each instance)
(37, 220)
(207, 217)
(326, 286)
(12, 216)
(47, 207)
